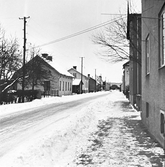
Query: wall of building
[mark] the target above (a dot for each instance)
(92, 85)
(85, 79)
(65, 85)
(56, 82)
(126, 76)
(125, 84)
(153, 87)
(53, 77)
(107, 86)
(135, 56)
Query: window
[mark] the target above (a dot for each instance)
(147, 109)
(46, 85)
(63, 86)
(162, 37)
(162, 119)
(74, 74)
(147, 55)
(60, 85)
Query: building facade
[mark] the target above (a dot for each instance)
(153, 68)
(92, 84)
(40, 75)
(134, 37)
(125, 80)
(78, 75)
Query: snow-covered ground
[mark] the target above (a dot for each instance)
(106, 132)
(20, 107)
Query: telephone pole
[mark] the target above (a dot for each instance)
(24, 53)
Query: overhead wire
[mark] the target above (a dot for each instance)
(80, 32)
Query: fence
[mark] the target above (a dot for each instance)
(52, 92)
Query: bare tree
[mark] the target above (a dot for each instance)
(10, 57)
(35, 72)
(114, 41)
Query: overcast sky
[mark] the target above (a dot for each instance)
(51, 20)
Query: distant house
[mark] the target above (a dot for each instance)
(76, 86)
(106, 86)
(125, 80)
(78, 75)
(42, 76)
(153, 68)
(134, 37)
(92, 84)
(99, 83)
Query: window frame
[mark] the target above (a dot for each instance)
(60, 85)
(147, 109)
(63, 86)
(75, 75)
(162, 37)
(162, 124)
(147, 53)
(47, 85)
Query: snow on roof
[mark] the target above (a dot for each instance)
(76, 82)
(61, 69)
(77, 72)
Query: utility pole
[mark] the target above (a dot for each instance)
(24, 53)
(81, 75)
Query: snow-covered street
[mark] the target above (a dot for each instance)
(105, 132)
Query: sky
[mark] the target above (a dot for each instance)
(51, 20)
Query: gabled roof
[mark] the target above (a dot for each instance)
(61, 69)
(50, 65)
(58, 69)
(78, 72)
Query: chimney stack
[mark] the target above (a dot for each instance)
(75, 67)
(44, 55)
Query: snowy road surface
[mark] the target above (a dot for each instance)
(16, 127)
(74, 132)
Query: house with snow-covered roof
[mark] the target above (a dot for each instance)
(42, 75)
(79, 76)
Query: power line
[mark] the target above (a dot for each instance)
(112, 14)
(80, 32)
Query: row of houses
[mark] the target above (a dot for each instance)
(42, 75)
(144, 73)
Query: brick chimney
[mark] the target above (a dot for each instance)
(75, 67)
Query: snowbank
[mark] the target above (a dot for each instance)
(58, 140)
(20, 107)
(59, 143)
